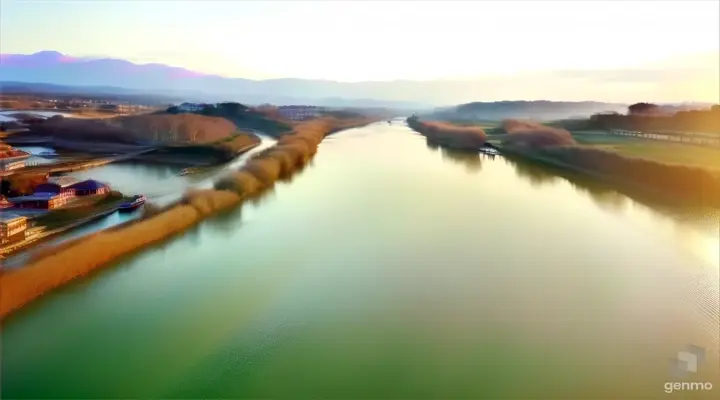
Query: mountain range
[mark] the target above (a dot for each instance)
(49, 69)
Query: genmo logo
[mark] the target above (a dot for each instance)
(683, 386)
(686, 363)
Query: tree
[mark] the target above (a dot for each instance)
(173, 110)
(643, 109)
(231, 108)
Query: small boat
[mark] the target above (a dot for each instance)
(188, 171)
(48, 154)
(490, 150)
(136, 202)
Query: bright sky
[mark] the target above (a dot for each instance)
(376, 40)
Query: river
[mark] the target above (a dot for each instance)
(389, 268)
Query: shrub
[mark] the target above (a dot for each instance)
(208, 202)
(241, 182)
(449, 135)
(534, 135)
(266, 170)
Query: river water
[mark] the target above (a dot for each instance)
(389, 268)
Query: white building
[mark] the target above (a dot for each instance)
(299, 113)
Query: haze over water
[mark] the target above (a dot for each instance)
(390, 269)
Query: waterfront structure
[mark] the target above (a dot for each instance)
(11, 159)
(62, 186)
(12, 227)
(299, 113)
(40, 201)
(90, 187)
(4, 203)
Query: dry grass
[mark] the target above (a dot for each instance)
(20, 286)
(208, 202)
(450, 135)
(266, 169)
(535, 135)
(243, 183)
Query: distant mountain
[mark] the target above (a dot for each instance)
(536, 110)
(101, 92)
(56, 68)
(104, 75)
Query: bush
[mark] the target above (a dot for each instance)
(266, 170)
(208, 202)
(449, 135)
(241, 182)
(534, 135)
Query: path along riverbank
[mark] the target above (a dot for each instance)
(291, 153)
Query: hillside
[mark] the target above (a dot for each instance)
(139, 129)
(181, 128)
(536, 110)
(242, 116)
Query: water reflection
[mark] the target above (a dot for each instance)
(431, 145)
(533, 174)
(471, 160)
(226, 222)
(612, 197)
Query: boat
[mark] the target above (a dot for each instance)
(188, 171)
(490, 150)
(48, 154)
(133, 204)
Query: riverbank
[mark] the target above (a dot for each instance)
(89, 254)
(670, 183)
(558, 148)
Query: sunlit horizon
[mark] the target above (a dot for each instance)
(629, 47)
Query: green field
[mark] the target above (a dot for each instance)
(655, 150)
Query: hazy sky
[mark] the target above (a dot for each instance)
(380, 40)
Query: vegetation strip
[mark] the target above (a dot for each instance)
(293, 150)
(558, 147)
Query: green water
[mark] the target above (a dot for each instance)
(389, 269)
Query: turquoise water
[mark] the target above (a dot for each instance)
(389, 269)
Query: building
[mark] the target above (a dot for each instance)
(11, 158)
(191, 107)
(4, 203)
(58, 185)
(90, 187)
(12, 228)
(108, 107)
(299, 113)
(39, 201)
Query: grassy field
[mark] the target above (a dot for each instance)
(654, 150)
(668, 152)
